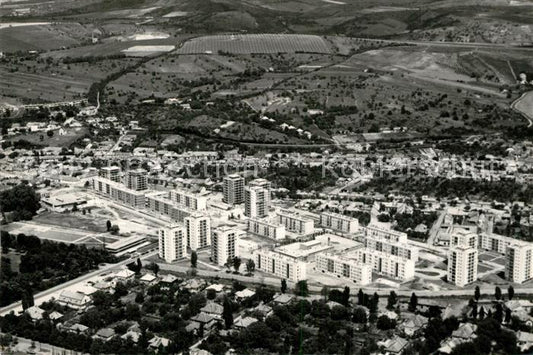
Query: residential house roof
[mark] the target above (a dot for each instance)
(35, 313)
(244, 322)
(465, 331)
(212, 308)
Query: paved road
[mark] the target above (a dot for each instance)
(275, 282)
(434, 231)
(43, 294)
(524, 106)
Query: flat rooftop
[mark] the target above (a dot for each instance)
(303, 250)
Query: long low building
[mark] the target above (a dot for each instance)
(160, 205)
(265, 228)
(339, 222)
(295, 222)
(125, 244)
(282, 266)
(387, 264)
(345, 266)
(119, 193)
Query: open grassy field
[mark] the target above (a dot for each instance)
(72, 135)
(260, 43)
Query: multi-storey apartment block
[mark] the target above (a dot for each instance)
(462, 265)
(198, 231)
(159, 204)
(194, 201)
(172, 243)
(387, 264)
(345, 266)
(339, 222)
(110, 172)
(223, 242)
(257, 198)
(119, 193)
(389, 242)
(137, 179)
(265, 228)
(283, 266)
(295, 222)
(233, 189)
(519, 262)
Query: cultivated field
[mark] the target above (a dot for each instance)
(256, 43)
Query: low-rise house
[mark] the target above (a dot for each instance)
(465, 332)
(447, 345)
(193, 285)
(283, 298)
(149, 279)
(216, 287)
(35, 313)
(244, 294)
(207, 320)
(124, 275)
(104, 334)
(76, 328)
(414, 325)
(213, 309)
(156, 342)
(167, 280)
(264, 309)
(74, 299)
(55, 316)
(132, 334)
(395, 345)
(524, 340)
(244, 322)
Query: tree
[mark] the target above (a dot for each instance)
(155, 268)
(237, 263)
(227, 313)
(283, 286)
(477, 293)
(360, 297)
(50, 133)
(392, 300)
(301, 288)
(510, 292)
(374, 303)
(346, 296)
(474, 311)
(385, 323)
(108, 225)
(229, 263)
(359, 315)
(497, 293)
(27, 298)
(481, 313)
(250, 266)
(413, 303)
(194, 259)
(139, 266)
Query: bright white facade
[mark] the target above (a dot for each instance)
(282, 266)
(339, 222)
(345, 266)
(119, 193)
(160, 205)
(265, 228)
(172, 243)
(389, 242)
(233, 189)
(198, 231)
(519, 262)
(223, 244)
(194, 201)
(295, 222)
(462, 265)
(257, 198)
(388, 265)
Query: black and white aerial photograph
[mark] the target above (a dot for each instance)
(263, 177)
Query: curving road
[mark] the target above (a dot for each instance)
(524, 105)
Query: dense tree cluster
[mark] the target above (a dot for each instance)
(22, 200)
(44, 264)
